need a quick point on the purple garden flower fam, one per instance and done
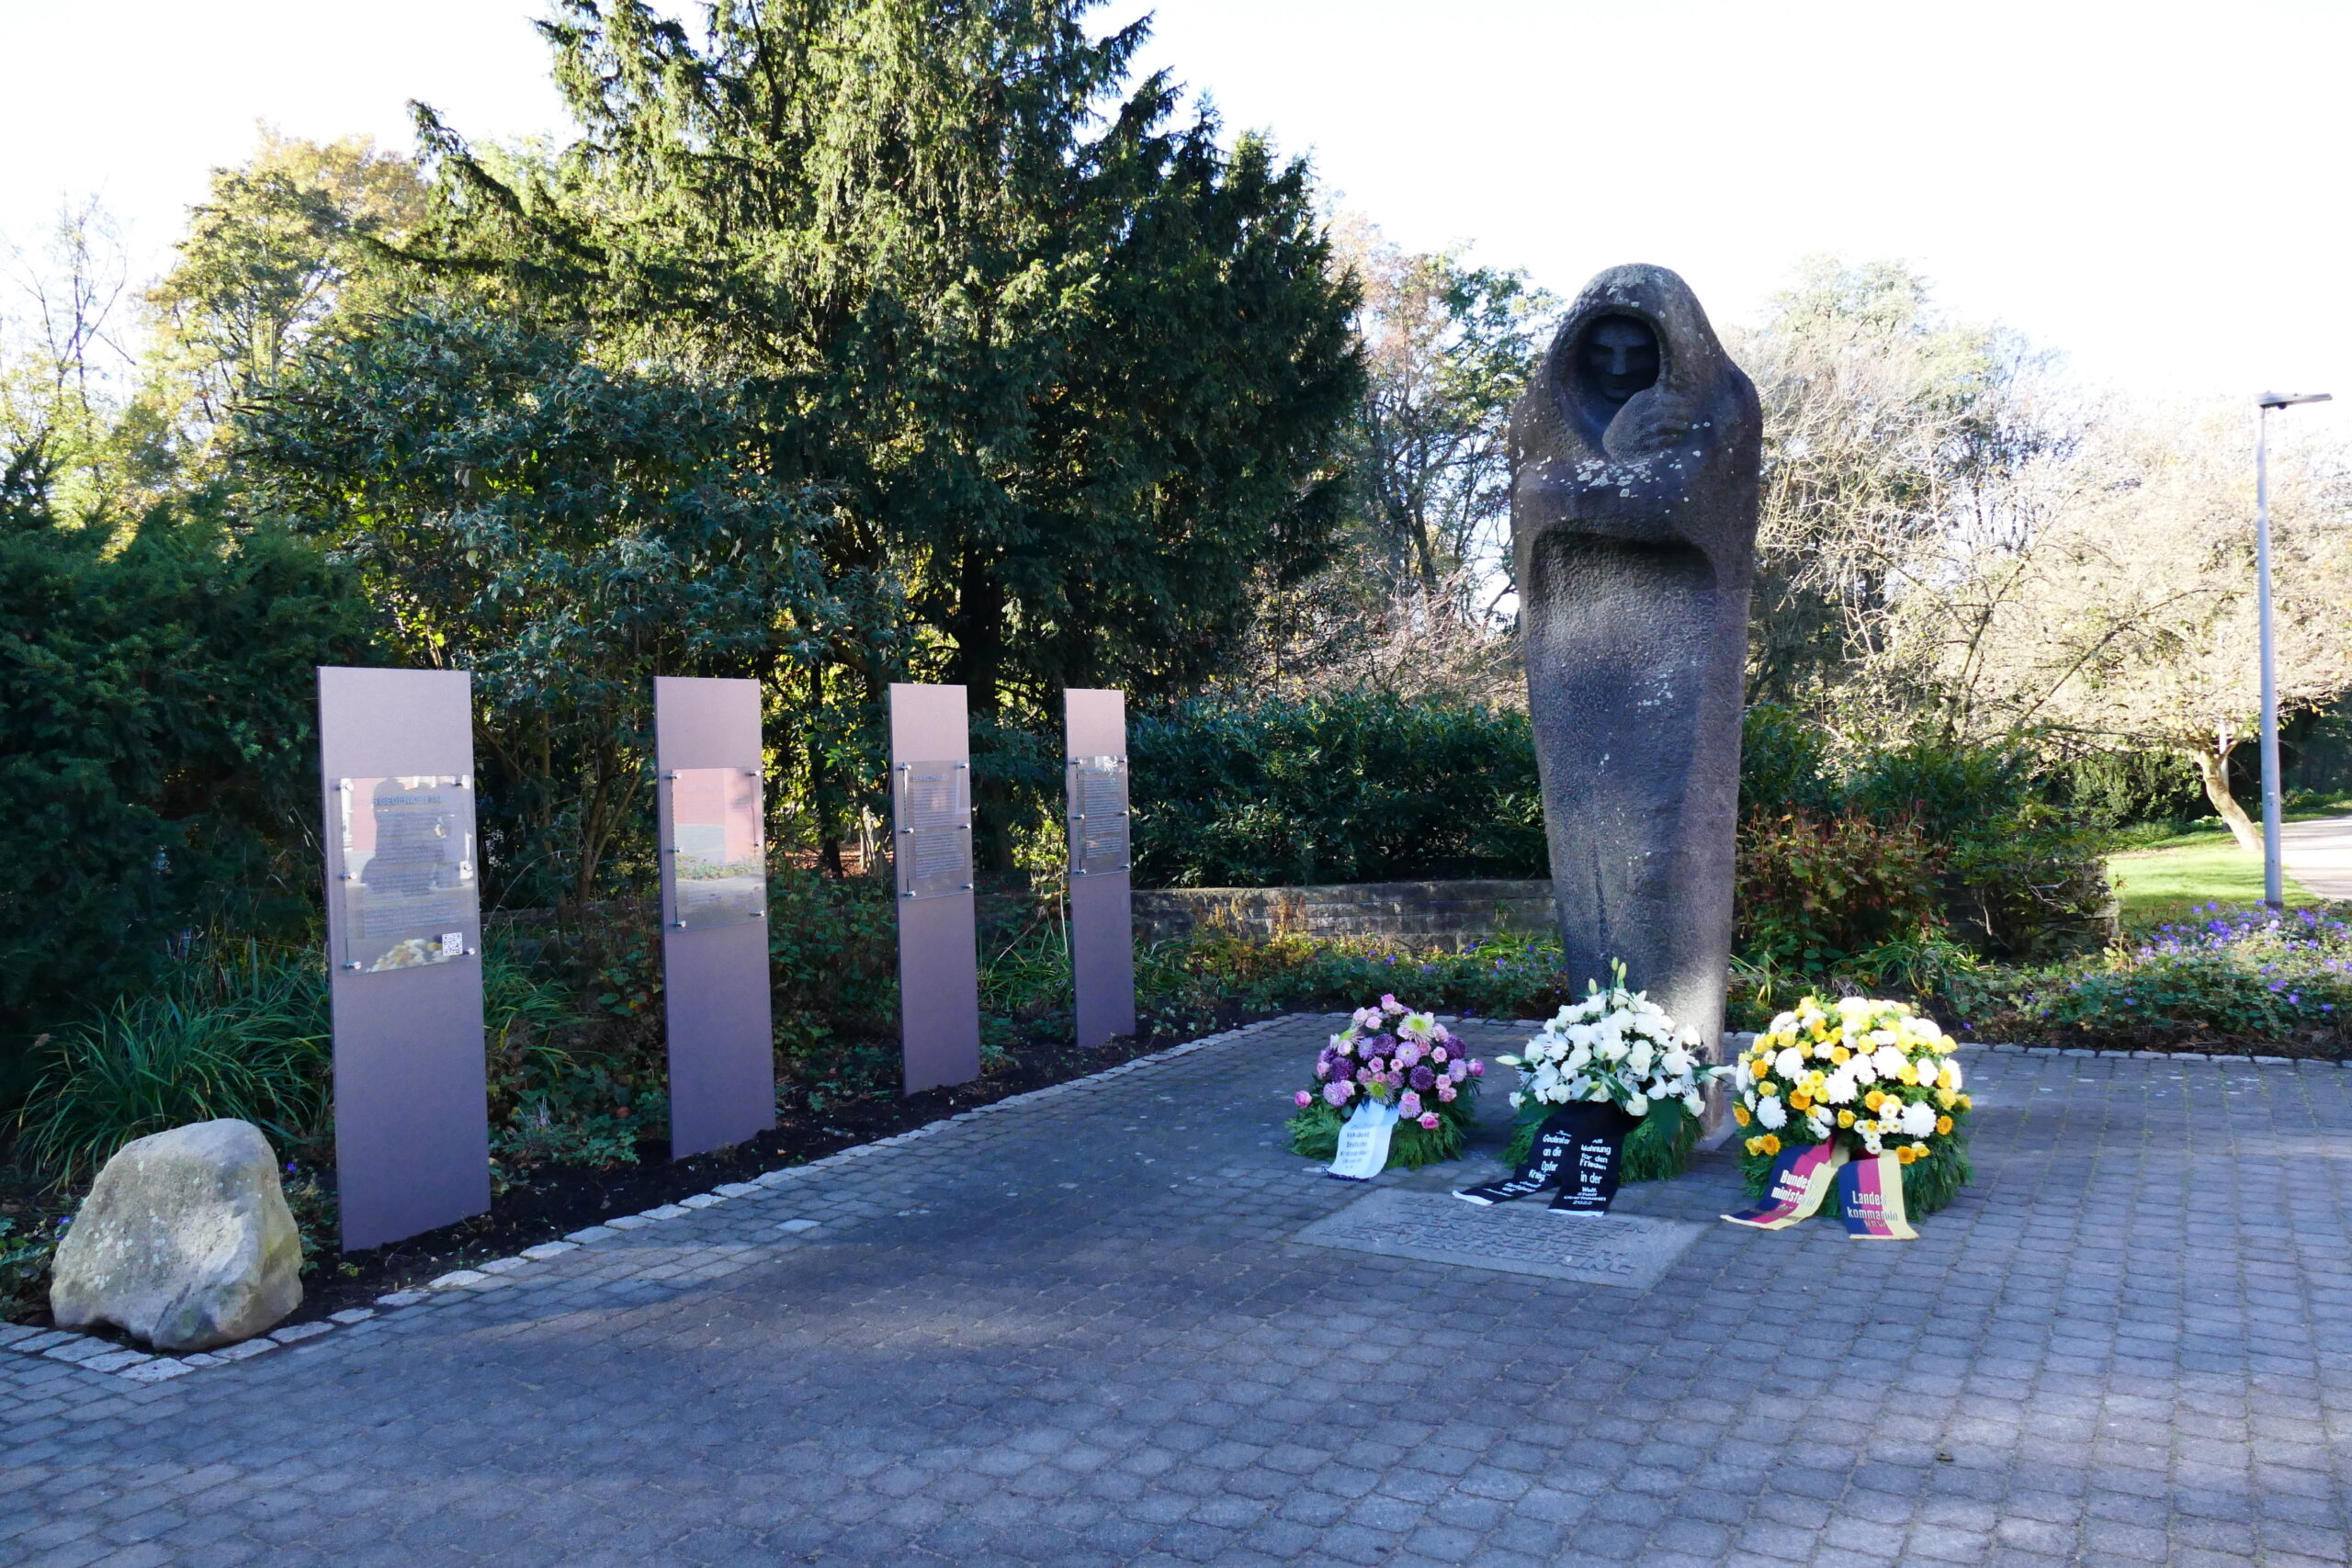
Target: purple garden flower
(1424, 1079)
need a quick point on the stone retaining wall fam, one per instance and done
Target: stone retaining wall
(1447, 914)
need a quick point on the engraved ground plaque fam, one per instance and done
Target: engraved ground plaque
(1098, 821)
(934, 828)
(407, 876)
(718, 871)
(1628, 1250)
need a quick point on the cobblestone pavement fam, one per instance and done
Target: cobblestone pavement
(1075, 1331)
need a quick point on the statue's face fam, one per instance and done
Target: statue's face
(1621, 357)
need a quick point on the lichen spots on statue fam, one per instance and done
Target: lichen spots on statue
(1636, 456)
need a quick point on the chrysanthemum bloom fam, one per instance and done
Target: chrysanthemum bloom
(1410, 1105)
(1339, 1094)
(1424, 1079)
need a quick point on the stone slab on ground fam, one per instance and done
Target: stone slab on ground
(1080, 1329)
(1524, 1237)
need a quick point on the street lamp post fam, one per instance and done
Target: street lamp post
(2274, 893)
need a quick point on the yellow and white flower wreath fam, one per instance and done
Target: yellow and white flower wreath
(1873, 1072)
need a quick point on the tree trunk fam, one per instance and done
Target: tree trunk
(2214, 767)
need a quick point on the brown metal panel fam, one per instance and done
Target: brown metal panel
(716, 995)
(939, 976)
(1102, 918)
(411, 1106)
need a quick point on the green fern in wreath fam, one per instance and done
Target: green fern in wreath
(1391, 1055)
(1616, 1047)
(1315, 1135)
(1657, 1149)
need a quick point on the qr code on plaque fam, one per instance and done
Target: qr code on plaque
(453, 944)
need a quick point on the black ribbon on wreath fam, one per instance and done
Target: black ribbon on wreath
(1581, 1149)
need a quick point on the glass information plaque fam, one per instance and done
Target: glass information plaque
(933, 849)
(1098, 816)
(410, 894)
(718, 864)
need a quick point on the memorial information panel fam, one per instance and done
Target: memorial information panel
(410, 894)
(933, 850)
(719, 867)
(1099, 817)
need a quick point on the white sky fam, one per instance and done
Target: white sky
(2158, 189)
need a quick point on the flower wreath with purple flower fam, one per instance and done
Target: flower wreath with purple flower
(1391, 1054)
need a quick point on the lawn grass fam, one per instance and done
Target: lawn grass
(2166, 879)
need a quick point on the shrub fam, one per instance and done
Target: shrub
(1209, 974)
(833, 960)
(2013, 875)
(1360, 787)
(1815, 892)
(2124, 789)
(2229, 977)
(247, 1039)
(242, 1031)
(156, 758)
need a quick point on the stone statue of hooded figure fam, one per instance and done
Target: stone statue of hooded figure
(1636, 476)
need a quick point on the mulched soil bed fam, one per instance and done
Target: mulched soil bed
(546, 1203)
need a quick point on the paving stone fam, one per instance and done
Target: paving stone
(294, 1333)
(41, 1342)
(1012, 1340)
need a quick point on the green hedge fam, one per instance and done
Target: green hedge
(1352, 788)
(156, 751)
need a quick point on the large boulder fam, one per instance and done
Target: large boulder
(184, 1242)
